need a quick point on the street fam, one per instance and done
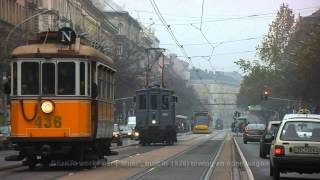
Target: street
(190, 158)
(260, 167)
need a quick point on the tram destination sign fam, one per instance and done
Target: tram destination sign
(66, 36)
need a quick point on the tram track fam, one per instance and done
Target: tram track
(131, 150)
(168, 165)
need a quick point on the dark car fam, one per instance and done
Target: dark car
(116, 135)
(253, 132)
(265, 141)
(4, 134)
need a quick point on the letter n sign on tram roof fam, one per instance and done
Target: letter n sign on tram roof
(66, 36)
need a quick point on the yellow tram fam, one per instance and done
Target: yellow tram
(201, 122)
(62, 100)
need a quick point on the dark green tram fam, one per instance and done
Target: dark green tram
(155, 115)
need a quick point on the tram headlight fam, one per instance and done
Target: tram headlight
(47, 107)
(153, 121)
(136, 134)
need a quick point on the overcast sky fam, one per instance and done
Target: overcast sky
(179, 14)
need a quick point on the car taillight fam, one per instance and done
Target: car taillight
(279, 151)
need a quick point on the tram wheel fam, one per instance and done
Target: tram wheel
(32, 162)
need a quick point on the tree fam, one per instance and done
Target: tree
(188, 98)
(274, 43)
(130, 74)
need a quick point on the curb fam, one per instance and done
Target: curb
(10, 167)
(244, 161)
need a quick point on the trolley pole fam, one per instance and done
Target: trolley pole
(162, 70)
(148, 68)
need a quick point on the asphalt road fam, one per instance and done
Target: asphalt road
(260, 167)
(192, 164)
(57, 172)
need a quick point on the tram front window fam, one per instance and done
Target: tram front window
(142, 102)
(154, 102)
(48, 78)
(66, 78)
(29, 78)
(201, 120)
(165, 102)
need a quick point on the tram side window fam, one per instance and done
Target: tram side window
(154, 102)
(29, 78)
(101, 81)
(66, 78)
(82, 78)
(142, 102)
(165, 102)
(105, 73)
(89, 78)
(14, 79)
(112, 85)
(108, 84)
(48, 78)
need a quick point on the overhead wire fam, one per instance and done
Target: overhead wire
(211, 18)
(184, 52)
(206, 43)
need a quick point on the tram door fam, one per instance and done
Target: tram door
(165, 109)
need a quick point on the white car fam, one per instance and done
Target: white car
(296, 146)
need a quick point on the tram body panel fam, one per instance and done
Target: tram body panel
(71, 118)
(105, 120)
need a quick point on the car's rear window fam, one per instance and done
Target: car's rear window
(301, 131)
(256, 126)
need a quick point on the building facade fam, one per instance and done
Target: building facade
(217, 92)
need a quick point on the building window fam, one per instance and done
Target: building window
(119, 50)
(120, 28)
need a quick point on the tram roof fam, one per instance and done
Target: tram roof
(54, 50)
(154, 88)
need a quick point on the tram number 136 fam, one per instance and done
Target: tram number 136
(47, 121)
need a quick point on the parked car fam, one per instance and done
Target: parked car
(125, 131)
(265, 141)
(4, 134)
(253, 132)
(116, 135)
(296, 146)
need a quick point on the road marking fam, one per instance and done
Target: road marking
(244, 161)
